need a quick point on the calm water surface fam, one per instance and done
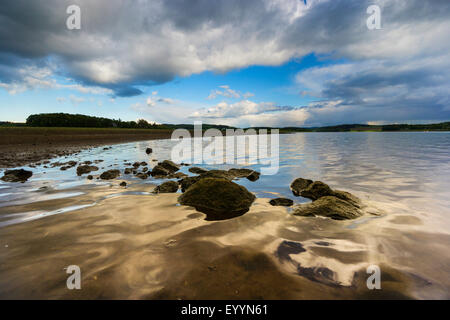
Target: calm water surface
(406, 176)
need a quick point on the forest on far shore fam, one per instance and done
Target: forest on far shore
(84, 121)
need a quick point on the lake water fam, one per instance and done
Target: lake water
(149, 245)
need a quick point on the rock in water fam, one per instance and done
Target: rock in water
(167, 187)
(148, 150)
(347, 196)
(222, 174)
(176, 175)
(170, 166)
(328, 206)
(110, 174)
(240, 173)
(159, 171)
(219, 199)
(244, 173)
(316, 190)
(187, 182)
(85, 169)
(123, 184)
(299, 185)
(281, 202)
(136, 165)
(19, 175)
(197, 170)
(142, 175)
(253, 176)
(327, 202)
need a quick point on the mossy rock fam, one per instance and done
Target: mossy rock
(219, 199)
(299, 184)
(220, 174)
(159, 171)
(169, 166)
(167, 187)
(316, 190)
(110, 174)
(329, 206)
(240, 172)
(85, 169)
(197, 170)
(347, 196)
(187, 182)
(250, 174)
(281, 202)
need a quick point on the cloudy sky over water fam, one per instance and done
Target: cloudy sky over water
(241, 63)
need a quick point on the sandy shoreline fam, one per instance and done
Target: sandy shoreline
(158, 250)
(133, 244)
(22, 146)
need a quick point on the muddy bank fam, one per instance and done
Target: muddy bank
(22, 146)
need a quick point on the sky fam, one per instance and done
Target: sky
(241, 63)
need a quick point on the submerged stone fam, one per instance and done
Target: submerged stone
(281, 202)
(219, 199)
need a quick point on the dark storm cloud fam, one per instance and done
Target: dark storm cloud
(126, 44)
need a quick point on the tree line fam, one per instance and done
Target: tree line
(83, 121)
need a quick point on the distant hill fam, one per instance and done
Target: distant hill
(83, 121)
(444, 126)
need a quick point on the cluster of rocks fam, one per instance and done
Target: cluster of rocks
(64, 165)
(335, 204)
(214, 193)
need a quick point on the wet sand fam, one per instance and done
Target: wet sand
(137, 245)
(132, 244)
(22, 146)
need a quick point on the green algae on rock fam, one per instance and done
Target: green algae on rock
(110, 174)
(219, 199)
(281, 202)
(329, 206)
(167, 187)
(336, 204)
